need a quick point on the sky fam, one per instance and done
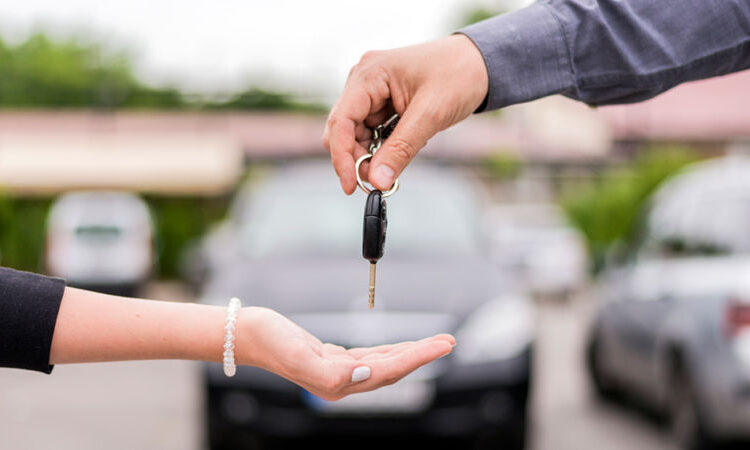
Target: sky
(303, 47)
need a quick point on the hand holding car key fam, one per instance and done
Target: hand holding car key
(375, 220)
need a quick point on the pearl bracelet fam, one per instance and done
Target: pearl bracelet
(234, 308)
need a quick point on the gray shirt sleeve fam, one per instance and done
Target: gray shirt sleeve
(610, 51)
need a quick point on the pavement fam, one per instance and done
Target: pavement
(566, 414)
(157, 404)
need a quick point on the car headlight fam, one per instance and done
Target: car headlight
(499, 329)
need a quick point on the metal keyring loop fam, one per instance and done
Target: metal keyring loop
(361, 183)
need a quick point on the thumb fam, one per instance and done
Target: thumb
(411, 134)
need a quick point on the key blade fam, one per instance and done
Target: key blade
(372, 286)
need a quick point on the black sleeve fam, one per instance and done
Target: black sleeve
(29, 304)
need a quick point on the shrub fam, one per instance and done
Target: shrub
(177, 221)
(607, 208)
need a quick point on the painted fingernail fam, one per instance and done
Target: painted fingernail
(383, 176)
(361, 373)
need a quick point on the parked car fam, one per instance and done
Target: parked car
(100, 240)
(673, 329)
(536, 242)
(296, 248)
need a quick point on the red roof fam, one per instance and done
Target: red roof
(550, 129)
(716, 109)
(256, 133)
(277, 134)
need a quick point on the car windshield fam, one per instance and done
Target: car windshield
(709, 224)
(97, 232)
(311, 216)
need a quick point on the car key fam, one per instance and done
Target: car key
(375, 222)
(373, 235)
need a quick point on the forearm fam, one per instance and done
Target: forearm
(42, 323)
(610, 51)
(93, 327)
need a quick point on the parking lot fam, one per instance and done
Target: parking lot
(157, 405)
(566, 413)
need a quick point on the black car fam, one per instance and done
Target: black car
(293, 243)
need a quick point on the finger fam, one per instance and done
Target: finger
(364, 168)
(410, 135)
(342, 143)
(327, 378)
(360, 352)
(391, 349)
(379, 117)
(364, 143)
(362, 132)
(400, 348)
(389, 370)
(331, 373)
(449, 338)
(333, 349)
(333, 379)
(341, 131)
(389, 354)
(365, 92)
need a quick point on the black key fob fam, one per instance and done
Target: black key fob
(373, 228)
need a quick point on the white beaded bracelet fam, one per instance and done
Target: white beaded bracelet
(234, 308)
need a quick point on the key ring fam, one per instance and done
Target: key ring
(379, 134)
(361, 183)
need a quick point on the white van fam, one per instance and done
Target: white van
(100, 240)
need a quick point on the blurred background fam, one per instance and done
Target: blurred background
(593, 263)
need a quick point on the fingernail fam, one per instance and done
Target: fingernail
(383, 176)
(361, 373)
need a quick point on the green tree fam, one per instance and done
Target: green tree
(40, 72)
(475, 15)
(608, 208)
(44, 73)
(22, 224)
(255, 98)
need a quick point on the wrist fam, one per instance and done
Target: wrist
(246, 350)
(473, 65)
(526, 55)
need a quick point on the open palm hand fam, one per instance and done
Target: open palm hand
(329, 371)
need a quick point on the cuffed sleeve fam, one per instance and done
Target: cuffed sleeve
(610, 51)
(29, 304)
(525, 55)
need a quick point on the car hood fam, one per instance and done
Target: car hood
(417, 297)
